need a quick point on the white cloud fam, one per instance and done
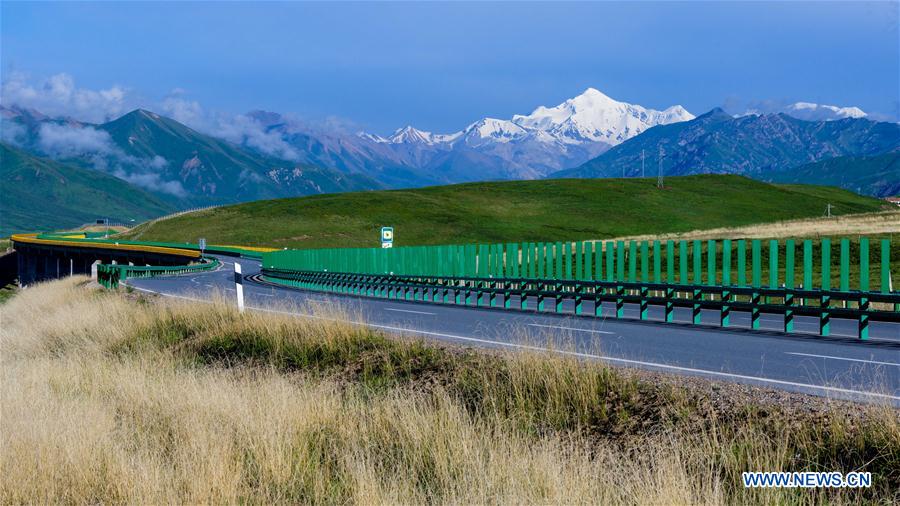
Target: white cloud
(61, 141)
(184, 111)
(242, 129)
(12, 133)
(151, 181)
(59, 96)
(236, 128)
(96, 146)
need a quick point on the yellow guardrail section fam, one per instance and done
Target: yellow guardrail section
(32, 239)
(260, 249)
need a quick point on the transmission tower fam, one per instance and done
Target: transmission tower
(642, 163)
(659, 173)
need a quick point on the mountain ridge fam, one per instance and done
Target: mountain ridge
(758, 146)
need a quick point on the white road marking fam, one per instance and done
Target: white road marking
(408, 311)
(570, 328)
(843, 358)
(562, 352)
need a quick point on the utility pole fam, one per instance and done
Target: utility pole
(828, 210)
(659, 173)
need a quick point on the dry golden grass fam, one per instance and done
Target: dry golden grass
(113, 400)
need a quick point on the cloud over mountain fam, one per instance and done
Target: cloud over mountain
(59, 96)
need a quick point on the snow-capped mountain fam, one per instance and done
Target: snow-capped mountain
(595, 117)
(588, 118)
(533, 145)
(809, 111)
(410, 135)
(816, 112)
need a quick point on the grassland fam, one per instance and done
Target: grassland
(111, 398)
(547, 210)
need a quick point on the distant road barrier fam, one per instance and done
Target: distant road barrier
(722, 275)
(110, 275)
(97, 238)
(54, 255)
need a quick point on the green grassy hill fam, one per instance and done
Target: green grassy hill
(544, 210)
(42, 194)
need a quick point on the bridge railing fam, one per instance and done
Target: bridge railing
(110, 275)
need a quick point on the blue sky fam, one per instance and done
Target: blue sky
(440, 66)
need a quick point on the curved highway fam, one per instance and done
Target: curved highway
(839, 366)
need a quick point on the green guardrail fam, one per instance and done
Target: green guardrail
(804, 264)
(110, 275)
(98, 238)
(790, 277)
(500, 293)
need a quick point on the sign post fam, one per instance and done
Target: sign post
(202, 244)
(387, 237)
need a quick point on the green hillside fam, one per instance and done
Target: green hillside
(544, 210)
(874, 175)
(42, 194)
(215, 171)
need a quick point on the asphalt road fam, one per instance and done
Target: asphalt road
(839, 366)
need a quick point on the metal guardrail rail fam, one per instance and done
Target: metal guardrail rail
(194, 249)
(499, 293)
(62, 240)
(110, 275)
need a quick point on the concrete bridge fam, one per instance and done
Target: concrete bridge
(39, 259)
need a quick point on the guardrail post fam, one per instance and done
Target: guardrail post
(788, 312)
(696, 313)
(598, 301)
(559, 298)
(789, 285)
(864, 287)
(540, 297)
(670, 305)
(725, 312)
(578, 289)
(620, 301)
(863, 317)
(824, 315)
(645, 304)
(754, 310)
